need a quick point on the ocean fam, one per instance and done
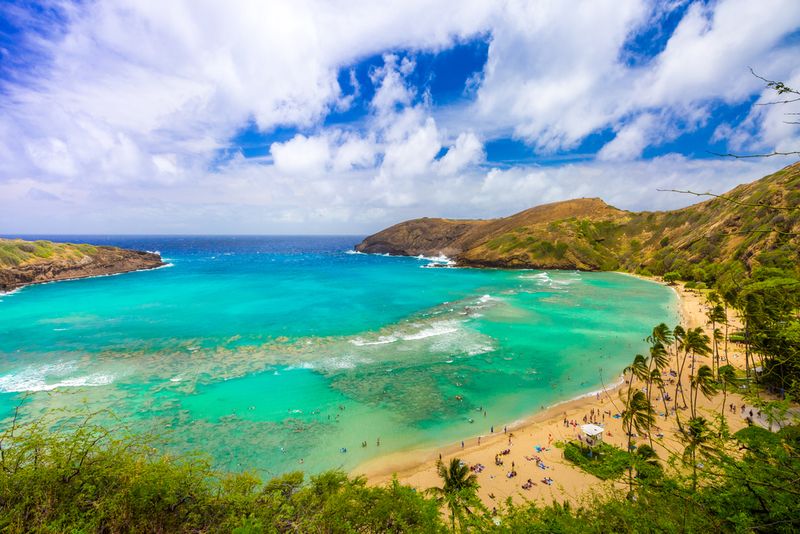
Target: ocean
(292, 352)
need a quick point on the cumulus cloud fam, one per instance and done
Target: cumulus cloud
(630, 140)
(301, 155)
(130, 104)
(467, 151)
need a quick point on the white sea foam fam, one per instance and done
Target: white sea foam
(340, 362)
(434, 265)
(538, 277)
(49, 377)
(382, 340)
(436, 261)
(9, 293)
(436, 329)
(479, 349)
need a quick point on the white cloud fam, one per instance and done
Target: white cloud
(301, 155)
(630, 140)
(467, 151)
(125, 122)
(555, 72)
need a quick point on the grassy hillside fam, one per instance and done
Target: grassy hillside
(16, 252)
(754, 224)
(31, 262)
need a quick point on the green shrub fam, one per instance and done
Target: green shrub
(607, 462)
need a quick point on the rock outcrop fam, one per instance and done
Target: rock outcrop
(23, 263)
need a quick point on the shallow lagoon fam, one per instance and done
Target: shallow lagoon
(262, 351)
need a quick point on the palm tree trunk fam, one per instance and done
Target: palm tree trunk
(724, 401)
(714, 360)
(649, 391)
(630, 458)
(664, 398)
(746, 349)
(630, 430)
(679, 388)
(726, 333)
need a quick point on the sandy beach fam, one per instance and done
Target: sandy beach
(531, 443)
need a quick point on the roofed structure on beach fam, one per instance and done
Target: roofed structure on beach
(593, 431)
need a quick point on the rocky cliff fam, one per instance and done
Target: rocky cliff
(755, 223)
(31, 262)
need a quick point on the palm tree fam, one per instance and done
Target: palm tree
(695, 343)
(678, 338)
(638, 369)
(459, 489)
(662, 334)
(716, 315)
(727, 377)
(646, 461)
(638, 415)
(697, 435)
(703, 382)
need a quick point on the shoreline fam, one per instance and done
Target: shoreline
(20, 287)
(538, 431)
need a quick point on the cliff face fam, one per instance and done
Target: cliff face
(754, 223)
(23, 263)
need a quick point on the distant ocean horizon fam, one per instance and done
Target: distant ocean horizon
(289, 352)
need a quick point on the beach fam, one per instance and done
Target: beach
(531, 443)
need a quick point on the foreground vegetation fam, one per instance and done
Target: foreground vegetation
(85, 480)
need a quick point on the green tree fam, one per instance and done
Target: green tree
(726, 375)
(716, 316)
(638, 415)
(702, 382)
(459, 491)
(696, 435)
(694, 343)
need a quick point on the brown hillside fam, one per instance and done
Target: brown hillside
(746, 227)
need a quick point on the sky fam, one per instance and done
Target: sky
(344, 117)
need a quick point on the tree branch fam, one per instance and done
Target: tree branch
(732, 201)
(769, 155)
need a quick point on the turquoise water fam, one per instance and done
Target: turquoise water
(265, 351)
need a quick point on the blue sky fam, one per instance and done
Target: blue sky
(345, 117)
